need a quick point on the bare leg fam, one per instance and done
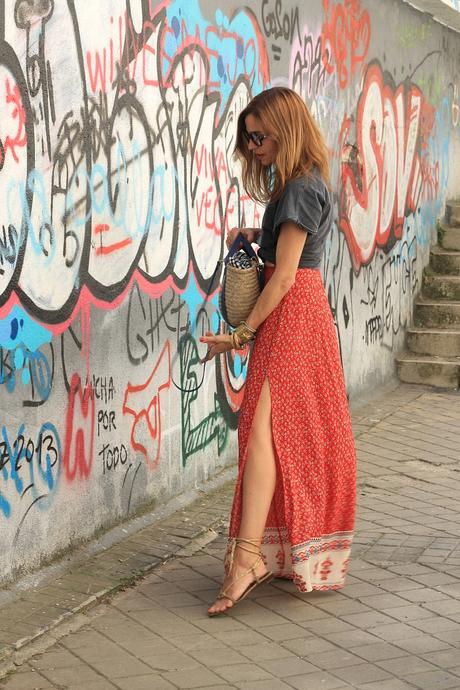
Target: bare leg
(258, 488)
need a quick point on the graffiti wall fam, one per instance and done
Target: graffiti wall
(117, 187)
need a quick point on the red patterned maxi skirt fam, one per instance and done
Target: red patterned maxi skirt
(309, 527)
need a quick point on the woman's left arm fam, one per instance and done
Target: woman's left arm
(291, 242)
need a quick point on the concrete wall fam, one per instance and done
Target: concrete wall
(117, 184)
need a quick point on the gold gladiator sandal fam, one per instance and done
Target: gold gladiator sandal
(229, 559)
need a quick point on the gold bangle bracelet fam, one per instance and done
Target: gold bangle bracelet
(251, 330)
(243, 333)
(237, 345)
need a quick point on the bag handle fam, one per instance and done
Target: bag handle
(239, 240)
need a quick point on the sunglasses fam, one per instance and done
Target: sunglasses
(256, 138)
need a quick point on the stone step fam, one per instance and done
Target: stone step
(450, 239)
(436, 314)
(445, 262)
(433, 341)
(441, 287)
(443, 372)
(453, 213)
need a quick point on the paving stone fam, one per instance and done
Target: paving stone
(368, 620)
(287, 631)
(395, 631)
(161, 662)
(198, 584)
(434, 579)
(120, 667)
(452, 637)
(435, 625)
(241, 638)
(271, 650)
(390, 684)
(201, 640)
(136, 603)
(261, 620)
(271, 684)
(338, 658)
(150, 682)
(422, 644)
(25, 681)
(353, 638)
(434, 680)
(452, 589)
(139, 648)
(85, 638)
(106, 650)
(194, 678)
(168, 623)
(308, 647)
(312, 681)
(383, 601)
(306, 615)
(406, 666)
(218, 657)
(219, 687)
(67, 676)
(363, 589)
(56, 658)
(328, 625)
(380, 651)
(449, 658)
(244, 672)
(423, 594)
(97, 685)
(444, 608)
(363, 673)
(343, 608)
(409, 613)
(283, 668)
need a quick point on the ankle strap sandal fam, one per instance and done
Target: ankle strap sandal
(229, 560)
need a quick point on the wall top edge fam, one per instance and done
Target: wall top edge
(445, 12)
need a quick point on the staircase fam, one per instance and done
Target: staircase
(434, 340)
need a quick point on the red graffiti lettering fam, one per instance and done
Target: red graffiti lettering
(79, 438)
(346, 35)
(99, 72)
(208, 206)
(221, 165)
(252, 221)
(104, 249)
(143, 403)
(383, 184)
(205, 155)
(17, 116)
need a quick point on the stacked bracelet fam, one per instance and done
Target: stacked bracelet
(241, 335)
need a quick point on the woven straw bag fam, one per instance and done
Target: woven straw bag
(240, 286)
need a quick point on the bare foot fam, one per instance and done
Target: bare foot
(234, 584)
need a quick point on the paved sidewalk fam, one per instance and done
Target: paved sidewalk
(395, 625)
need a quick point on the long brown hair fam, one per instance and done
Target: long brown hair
(300, 144)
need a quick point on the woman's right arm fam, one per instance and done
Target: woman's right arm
(289, 248)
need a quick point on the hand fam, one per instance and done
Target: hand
(216, 344)
(249, 233)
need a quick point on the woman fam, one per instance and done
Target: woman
(295, 493)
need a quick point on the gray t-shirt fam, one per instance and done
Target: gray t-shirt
(306, 202)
